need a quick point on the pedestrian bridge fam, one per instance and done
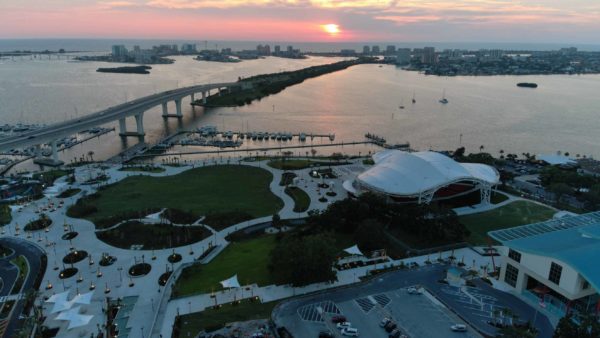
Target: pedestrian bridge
(136, 108)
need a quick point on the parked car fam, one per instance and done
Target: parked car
(343, 325)
(384, 321)
(458, 328)
(414, 291)
(389, 327)
(338, 319)
(350, 331)
(395, 334)
(325, 334)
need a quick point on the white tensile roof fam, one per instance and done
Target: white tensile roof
(231, 282)
(408, 174)
(354, 250)
(555, 159)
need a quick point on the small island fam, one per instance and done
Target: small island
(527, 85)
(126, 70)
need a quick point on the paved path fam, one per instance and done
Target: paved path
(115, 277)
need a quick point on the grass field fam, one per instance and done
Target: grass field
(191, 324)
(513, 214)
(289, 164)
(144, 168)
(300, 197)
(152, 236)
(5, 216)
(200, 191)
(248, 259)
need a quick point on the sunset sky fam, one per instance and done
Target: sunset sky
(576, 21)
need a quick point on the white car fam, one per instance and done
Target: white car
(343, 325)
(384, 322)
(350, 331)
(414, 291)
(458, 328)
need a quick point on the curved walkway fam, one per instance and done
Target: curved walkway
(115, 277)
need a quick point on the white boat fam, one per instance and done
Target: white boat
(443, 100)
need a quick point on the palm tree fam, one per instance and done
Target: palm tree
(481, 147)
(91, 155)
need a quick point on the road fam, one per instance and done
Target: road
(34, 255)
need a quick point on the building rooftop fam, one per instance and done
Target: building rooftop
(574, 240)
(408, 174)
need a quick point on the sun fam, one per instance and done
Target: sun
(331, 28)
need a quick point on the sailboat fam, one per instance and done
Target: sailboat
(443, 100)
(414, 100)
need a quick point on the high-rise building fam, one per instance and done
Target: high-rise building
(277, 49)
(119, 51)
(390, 50)
(188, 48)
(375, 50)
(403, 56)
(366, 50)
(290, 49)
(429, 56)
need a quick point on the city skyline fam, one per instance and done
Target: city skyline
(542, 21)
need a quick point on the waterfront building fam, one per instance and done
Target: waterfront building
(348, 52)
(188, 48)
(366, 50)
(429, 56)
(375, 50)
(423, 177)
(554, 263)
(263, 50)
(403, 56)
(290, 49)
(119, 51)
(390, 50)
(277, 49)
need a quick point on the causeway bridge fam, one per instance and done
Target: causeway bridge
(136, 108)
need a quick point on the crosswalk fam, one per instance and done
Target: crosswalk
(4, 299)
(314, 312)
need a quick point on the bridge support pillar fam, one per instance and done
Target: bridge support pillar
(122, 127)
(178, 105)
(192, 97)
(203, 97)
(139, 121)
(52, 161)
(165, 110)
(54, 151)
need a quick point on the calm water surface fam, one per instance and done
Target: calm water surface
(562, 114)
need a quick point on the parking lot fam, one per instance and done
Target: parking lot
(416, 315)
(364, 305)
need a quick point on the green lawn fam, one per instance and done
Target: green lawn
(144, 168)
(248, 259)
(300, 197)
(152, 236)
(51, 175)
(200, 191)
(69, 193)
(511, 215)
(289, 164)
(5, 216)
(211, 319)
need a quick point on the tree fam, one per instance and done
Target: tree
(302, 260)
(91, 155)
(276, 221)
(559, 190)
(566, 328)
(527, 331)
(589, 327)
(459, 152)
